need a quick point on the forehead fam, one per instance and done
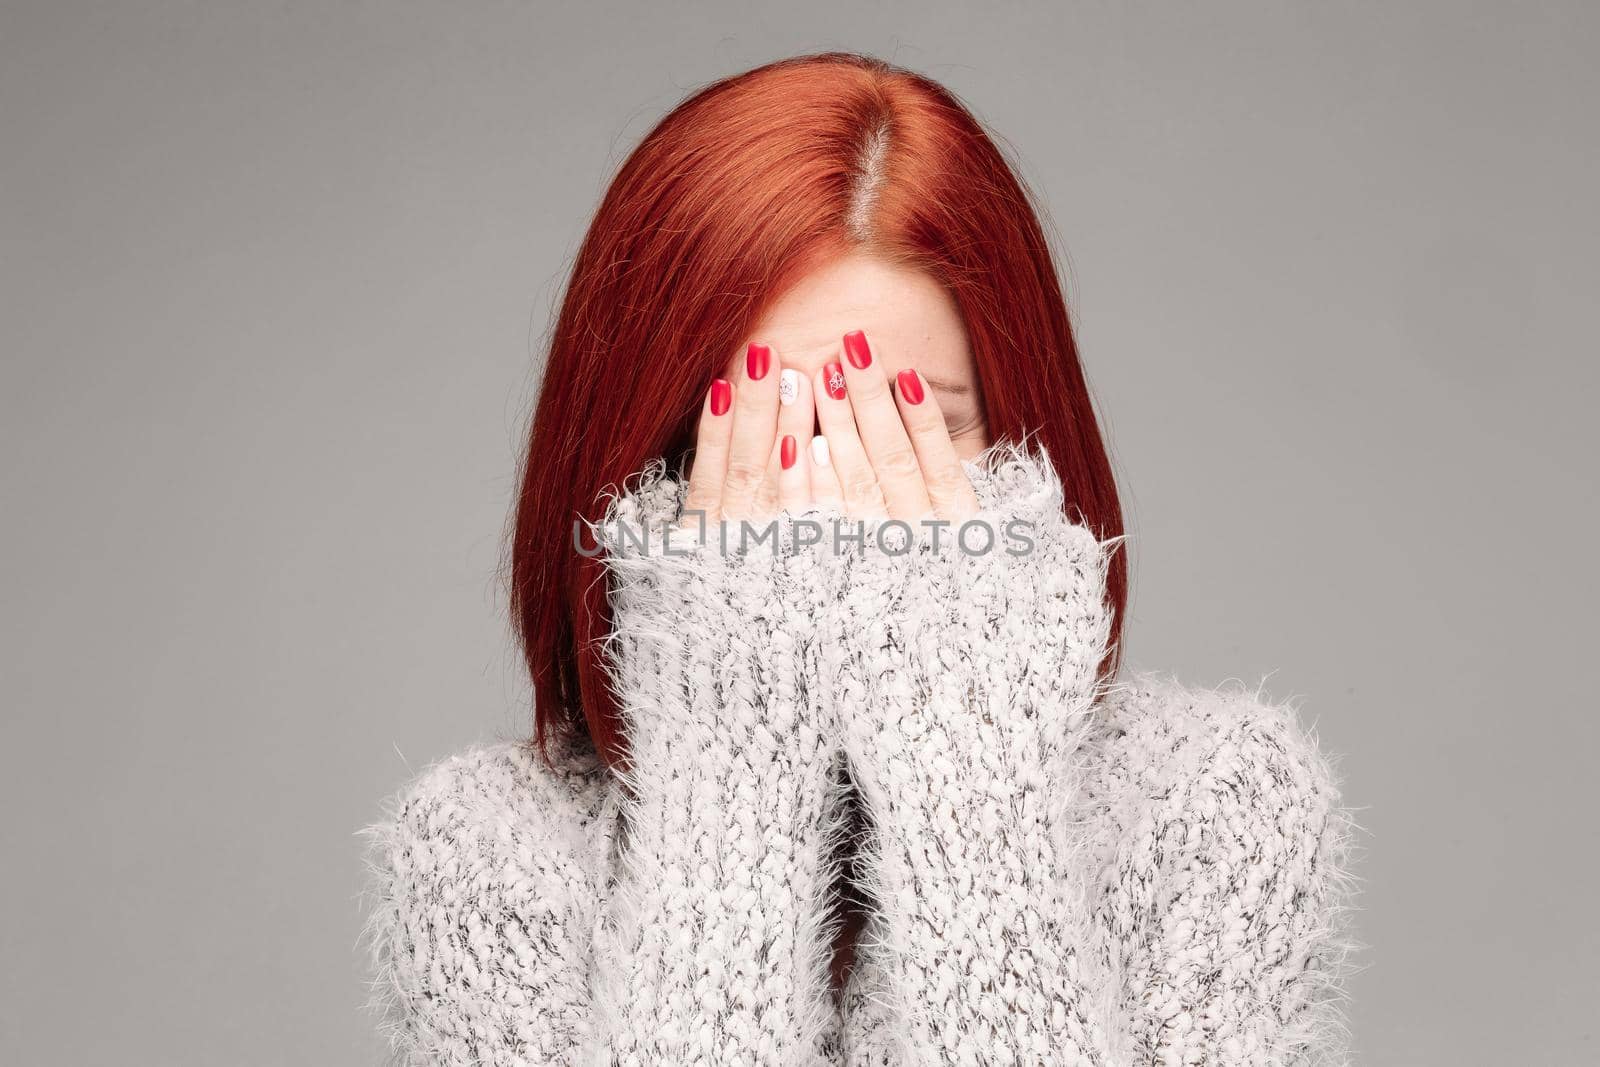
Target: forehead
(909, 318)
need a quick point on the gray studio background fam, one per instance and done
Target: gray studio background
(272, 281)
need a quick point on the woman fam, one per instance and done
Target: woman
(832, 759)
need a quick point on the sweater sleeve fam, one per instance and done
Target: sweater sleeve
(963, 673)
(712, 945)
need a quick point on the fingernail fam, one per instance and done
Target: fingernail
(789, 452)
(910, 386)
(788, 387)
(833, 378)
(757, 358)
(855, 346)
(819, 450)
(721, 396)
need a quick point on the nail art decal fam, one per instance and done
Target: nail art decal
(833, 378)
(789, 387)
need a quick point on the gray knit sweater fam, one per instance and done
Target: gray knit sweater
(1059, 871)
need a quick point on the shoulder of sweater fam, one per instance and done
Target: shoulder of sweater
(491, 815)
(501, 786)
(1189, 730)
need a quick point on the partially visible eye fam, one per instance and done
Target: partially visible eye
(963, 421)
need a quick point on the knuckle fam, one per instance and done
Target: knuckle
(743, 475)
(945, 482)
(899, 462)
(860, 486)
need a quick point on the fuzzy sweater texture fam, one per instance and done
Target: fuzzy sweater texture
(1059, 871)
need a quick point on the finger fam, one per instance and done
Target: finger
(858, 483)
(949, 488)
(797, 417)
(755, 422)
(710, 466)
(824, 482)
(882, 433)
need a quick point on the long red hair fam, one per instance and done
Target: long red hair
(742, 190)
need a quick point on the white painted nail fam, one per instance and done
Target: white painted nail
(789, 387)
(819, 450)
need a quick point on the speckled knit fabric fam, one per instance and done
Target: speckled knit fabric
(1059, 872)
(714, 946)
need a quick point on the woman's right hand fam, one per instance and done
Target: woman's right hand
(753, 447)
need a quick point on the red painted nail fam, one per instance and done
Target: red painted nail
(833, 379)
(910, 386)
(855, 346)
(757, 359)
(789, 452)
(721, 396)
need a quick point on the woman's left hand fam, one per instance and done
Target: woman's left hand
(961, 683)
(889, 451)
